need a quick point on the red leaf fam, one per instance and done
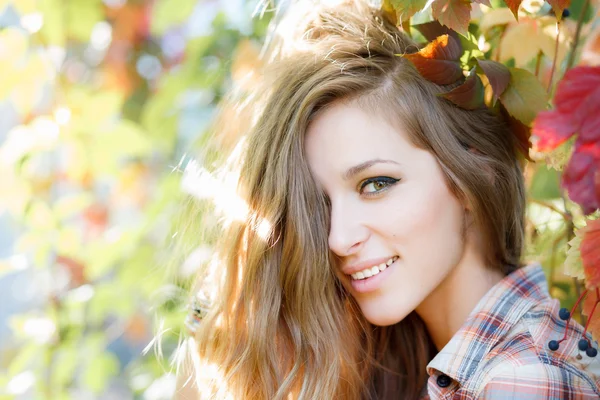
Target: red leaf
(438, 61)
(498, 75)
(514, 6)
(433, 29)
(578, 96)
(75, 268)
(444, 47)
(469, 95)
(590, 126)
(521, 132)
(455, 14)
(558, 6)
(590, 254)
(552, 128)
(594, 322)
(580, 177)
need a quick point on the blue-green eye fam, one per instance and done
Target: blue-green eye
(379, 183)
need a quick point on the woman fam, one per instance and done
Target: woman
(381, 255)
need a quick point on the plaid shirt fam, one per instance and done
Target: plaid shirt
(501, 351)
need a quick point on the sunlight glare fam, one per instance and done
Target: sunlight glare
(32, 22)
(62, 115)
(21, 383)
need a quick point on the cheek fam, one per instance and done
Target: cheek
(427, 219)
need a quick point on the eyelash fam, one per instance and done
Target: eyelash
(389, 182)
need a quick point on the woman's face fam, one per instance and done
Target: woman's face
(389, 206)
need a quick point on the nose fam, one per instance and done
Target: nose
(347, 232)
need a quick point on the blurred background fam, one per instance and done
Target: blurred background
(103, 104)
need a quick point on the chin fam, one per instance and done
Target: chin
(379, 317)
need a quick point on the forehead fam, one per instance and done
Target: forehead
(345, 134)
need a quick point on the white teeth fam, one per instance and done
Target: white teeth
(372, 271)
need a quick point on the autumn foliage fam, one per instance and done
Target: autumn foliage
(104, 100)
(518, 59)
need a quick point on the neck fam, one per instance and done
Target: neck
(445, 310)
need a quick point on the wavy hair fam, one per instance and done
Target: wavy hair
(281, 325)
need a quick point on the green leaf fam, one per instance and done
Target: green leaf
(404, 9)
(111, 147)
(64, 365)
(525, 96)
(81, 17)
(53, 30)
(159, 117)
(166, 14)
(92, 109)
(545, 184)
(471, 51)
(576, 8)
(99, 370)
(27, 356)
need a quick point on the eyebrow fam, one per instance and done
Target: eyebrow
(364, 165)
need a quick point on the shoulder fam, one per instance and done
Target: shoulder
(522, 366)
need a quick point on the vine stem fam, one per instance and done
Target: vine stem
(584, 9)
(538, 61)
(555, 244)
(555, 57)
(570, 231)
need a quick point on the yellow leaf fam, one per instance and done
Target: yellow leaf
(53, 30)
(16, 192)
(69, 241)
(590, 53)
(13, 45)
(573, 265)
(81, 17)
(548, 45)
(541, 36)
(497, 16)
(24, 6)
(33, 76)
(514, 46)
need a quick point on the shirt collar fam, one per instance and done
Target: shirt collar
(491, 319)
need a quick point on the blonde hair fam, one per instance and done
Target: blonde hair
(280, 322)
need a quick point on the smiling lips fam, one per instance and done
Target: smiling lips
(374, 270)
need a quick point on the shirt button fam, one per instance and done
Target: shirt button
(443, 381)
